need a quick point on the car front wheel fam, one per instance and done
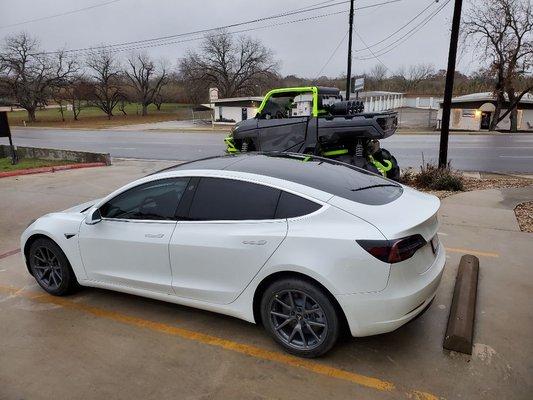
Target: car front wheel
(300, 317)
(50, 267)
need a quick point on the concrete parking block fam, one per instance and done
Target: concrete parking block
(460, 331)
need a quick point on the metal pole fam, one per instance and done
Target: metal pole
(349, 69)
(448, 89)
(14, 156)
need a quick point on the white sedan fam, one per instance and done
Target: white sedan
(304, 245)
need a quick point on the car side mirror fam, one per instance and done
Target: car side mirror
(94, 217)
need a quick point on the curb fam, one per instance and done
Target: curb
(41, 170)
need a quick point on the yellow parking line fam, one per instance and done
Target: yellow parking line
(473, 252)
(252, 351)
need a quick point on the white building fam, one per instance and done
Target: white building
(232, 110)
(422, 101)
(474, 112)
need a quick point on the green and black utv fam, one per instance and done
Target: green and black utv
(316, 120)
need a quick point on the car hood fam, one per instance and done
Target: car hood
(413, 212)
(81, 207)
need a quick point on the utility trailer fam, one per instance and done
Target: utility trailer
(315, 120)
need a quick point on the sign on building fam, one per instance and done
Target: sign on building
(358, 84)
(213, 94)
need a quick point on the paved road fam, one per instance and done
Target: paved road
(499, 153)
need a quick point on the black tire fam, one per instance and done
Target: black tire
(50, 268)
(313, 317)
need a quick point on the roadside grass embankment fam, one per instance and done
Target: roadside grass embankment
(94, 118)
(27, 163)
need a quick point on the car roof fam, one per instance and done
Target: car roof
(262, 163)
(316, 173)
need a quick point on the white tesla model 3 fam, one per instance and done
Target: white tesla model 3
(304, 245)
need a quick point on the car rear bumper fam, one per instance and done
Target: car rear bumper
(375, 313)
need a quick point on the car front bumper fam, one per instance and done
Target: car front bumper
(402, 300)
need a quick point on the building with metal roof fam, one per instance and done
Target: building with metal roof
(474, 112)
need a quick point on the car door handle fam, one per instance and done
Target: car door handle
(154, 235)
(255, 242)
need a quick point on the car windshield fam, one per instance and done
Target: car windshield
(279, 105)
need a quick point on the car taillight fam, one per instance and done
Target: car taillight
(393, 251)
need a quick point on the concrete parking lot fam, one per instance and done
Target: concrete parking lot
(100, 344)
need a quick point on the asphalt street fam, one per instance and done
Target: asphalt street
(492, 153)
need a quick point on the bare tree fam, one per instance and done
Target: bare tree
(105, 72)
(80, 92)
(410, 78)
(501, 31)
(60, 98)
(162, 95)
(378, 73)
(237, 66)
(146, 78)
(31, 74)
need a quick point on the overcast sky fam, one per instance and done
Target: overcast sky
(303, 47)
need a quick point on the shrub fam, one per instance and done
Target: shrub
(407, 177)
(434, 178)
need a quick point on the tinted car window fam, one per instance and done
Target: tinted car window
(228, 199)
(290, 206)
(339, 179)
(156, 200)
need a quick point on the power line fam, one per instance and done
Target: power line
(370, 50)
(407, 35)
(318, 6)
(368, 47)
(332, 55)
(60, 14)
(313, 5)
(203, 31)
(129, 48)
(432, 2)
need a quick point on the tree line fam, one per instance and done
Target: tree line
(31, 78)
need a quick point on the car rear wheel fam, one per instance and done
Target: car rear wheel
(300, 317)
(50, 267)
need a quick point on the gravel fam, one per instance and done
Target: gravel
(523, 212)
(492, 181)
(524, 215)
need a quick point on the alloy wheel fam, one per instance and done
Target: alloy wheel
(298, 320)
(47, 267)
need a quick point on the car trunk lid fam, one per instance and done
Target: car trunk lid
(411, 213)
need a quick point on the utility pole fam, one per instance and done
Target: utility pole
(448, 89)
(349, 69)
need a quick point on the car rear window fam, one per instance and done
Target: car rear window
(339, 179)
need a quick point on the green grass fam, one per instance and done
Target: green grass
(53, 114)
(94, 118)
(25, 163)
